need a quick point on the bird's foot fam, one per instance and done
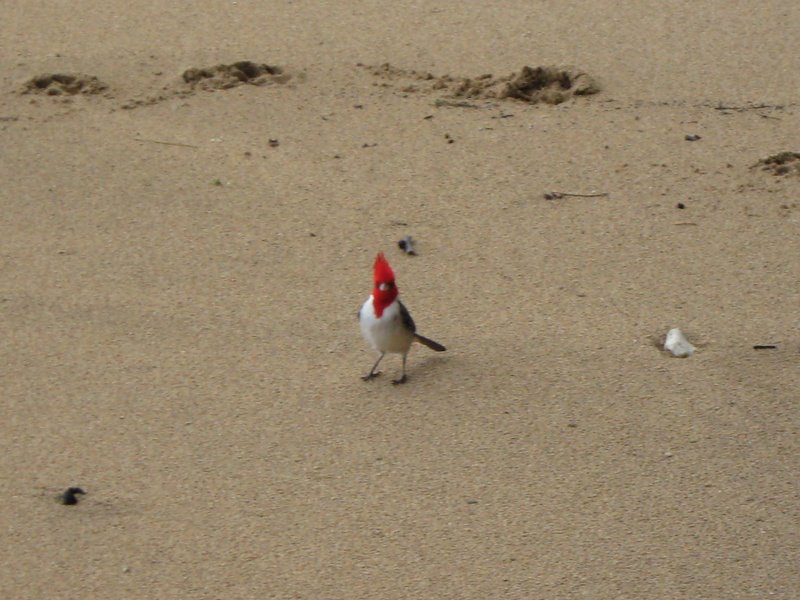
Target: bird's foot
(370, 376)
(403, 379)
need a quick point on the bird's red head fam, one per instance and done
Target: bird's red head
(385, 291)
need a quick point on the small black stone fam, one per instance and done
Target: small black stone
(680, 205)
(68, 497)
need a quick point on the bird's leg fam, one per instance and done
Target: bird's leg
(403, 377)
(372, 374)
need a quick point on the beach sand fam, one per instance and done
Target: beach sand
(181, 264)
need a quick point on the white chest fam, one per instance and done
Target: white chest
(387, 333)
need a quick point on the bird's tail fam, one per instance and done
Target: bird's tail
(429, 343)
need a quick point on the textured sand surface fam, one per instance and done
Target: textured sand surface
(182, 258)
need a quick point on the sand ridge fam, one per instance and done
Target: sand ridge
(217, 77)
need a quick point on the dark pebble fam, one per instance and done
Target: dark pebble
(68, 497)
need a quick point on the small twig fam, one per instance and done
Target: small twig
(685, 223)
(764, 347)
(749, 107)
(165, 143)
(557, 195)
(439, 102)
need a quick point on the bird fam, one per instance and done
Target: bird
(386, 323)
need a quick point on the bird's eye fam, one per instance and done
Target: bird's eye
(386, 286)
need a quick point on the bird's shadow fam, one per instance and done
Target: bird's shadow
(425, 365)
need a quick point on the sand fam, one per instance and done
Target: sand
(182, 258)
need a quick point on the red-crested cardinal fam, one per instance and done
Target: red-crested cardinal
(386, 324)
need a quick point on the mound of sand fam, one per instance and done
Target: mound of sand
(551, 85)
(548, 84)
(57, 84)
(783, 163)
(223, 77)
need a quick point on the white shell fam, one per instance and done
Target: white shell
(678, 344)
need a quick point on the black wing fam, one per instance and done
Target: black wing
(408, 322)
